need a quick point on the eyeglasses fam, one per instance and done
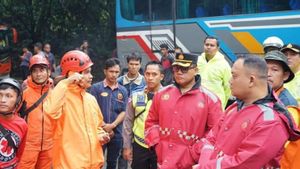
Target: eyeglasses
(176, 68)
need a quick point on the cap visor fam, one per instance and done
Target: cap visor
(293, 49)
(181, 64)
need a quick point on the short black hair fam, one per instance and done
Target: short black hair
(164, 46)
(212, 37)
(161, 69)
(111, 62)
(256, 64)
(38, 45)
(7, 86)
(134, 56)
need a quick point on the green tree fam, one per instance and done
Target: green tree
(64, 24)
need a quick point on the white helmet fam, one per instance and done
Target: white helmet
(273, 41)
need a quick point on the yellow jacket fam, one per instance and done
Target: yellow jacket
(78, 121)
(294, 87)
(215, 75)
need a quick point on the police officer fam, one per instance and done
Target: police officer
(180, 115)
(134, 123)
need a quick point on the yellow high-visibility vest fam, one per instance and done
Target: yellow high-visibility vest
(141, 105)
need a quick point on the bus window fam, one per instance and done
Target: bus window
(135, 10)
(161, 9)
(138, 10)
(206, 8)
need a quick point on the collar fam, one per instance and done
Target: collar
(267, 99)
(138, 80)
(279, 90)
(113, 87)
(75, 88)
(45, 87)
(146, 89)
(196, 85)
(217, 56)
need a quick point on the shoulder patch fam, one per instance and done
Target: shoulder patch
(268, 113)
(141, 100)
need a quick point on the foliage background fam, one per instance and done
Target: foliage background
(64, 24)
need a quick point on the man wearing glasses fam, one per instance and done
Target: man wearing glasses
(180, 115)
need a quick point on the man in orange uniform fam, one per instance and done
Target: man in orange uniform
(78, 135)
(39, 137)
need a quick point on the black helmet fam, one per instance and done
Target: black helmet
(12, 82)
(279, 56)
(15, 84)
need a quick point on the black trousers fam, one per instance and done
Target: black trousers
(143, 157)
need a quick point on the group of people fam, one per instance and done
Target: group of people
(174, 116)
(40, 49)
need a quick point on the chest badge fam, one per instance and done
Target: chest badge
(104, 94)
(245, 124)
(201, 104)
(165, 96)
(120, 96)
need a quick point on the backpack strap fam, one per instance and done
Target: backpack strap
(35, 105)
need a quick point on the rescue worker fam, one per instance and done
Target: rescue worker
(180, 115)
(39, 140)
(214, 69)
(253, 130)
(272, 43)
(291, 156)
(278, 74)
(137, 110)
(78, 136)
(292, 52)
(112, 99)
(13, 129)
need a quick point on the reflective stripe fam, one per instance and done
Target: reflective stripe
(139, 139)
(268, 112)
(219, 161)
(211, 95)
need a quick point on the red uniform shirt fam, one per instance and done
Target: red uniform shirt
(247, 137)
(17, 128)
(176, 121)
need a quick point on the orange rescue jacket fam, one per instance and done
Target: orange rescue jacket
(78, 122)
(40, 132)
(291, 156)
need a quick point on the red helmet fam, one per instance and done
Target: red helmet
(38, 60)
(75, 61)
